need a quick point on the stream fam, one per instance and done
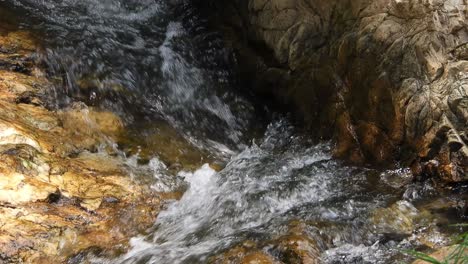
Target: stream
(155, 62)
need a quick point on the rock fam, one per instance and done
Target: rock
(400, 219)
(298, 249)
(294, 247)
(161, 140)
(397, 179)
(91, 124)
(386, 79)
(432, 237)
(257, 258)
(57, 199)
(11, 135)
(442, 254)
(297, 246)
(19, 42)
(19, 177)
(55, 216)
(246, 252)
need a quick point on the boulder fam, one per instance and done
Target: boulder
(57, 199)
(386, 79)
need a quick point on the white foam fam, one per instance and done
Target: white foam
(257, 186)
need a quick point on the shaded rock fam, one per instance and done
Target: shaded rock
(297, 246)
(386, 79)
(246, 253)
(298, 249)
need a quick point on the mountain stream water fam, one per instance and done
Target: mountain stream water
(156, 62)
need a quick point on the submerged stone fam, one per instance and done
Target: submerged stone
(161, 140)
(401, 218)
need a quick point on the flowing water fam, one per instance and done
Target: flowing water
(144, 59)
(155, 61)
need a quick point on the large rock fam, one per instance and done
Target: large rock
(57, 199)
(388, 79)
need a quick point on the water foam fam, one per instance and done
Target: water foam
(260, 189)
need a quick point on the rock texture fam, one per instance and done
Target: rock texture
(56, 197)
(297, 246)
(65, 189)
(388, 79)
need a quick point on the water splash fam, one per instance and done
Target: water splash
(146, 60)
(261, 189)
(143, 60)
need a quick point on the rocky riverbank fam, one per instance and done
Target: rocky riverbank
(386, 79)
(63, 189)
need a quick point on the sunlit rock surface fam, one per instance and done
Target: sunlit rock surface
(444, 253)
(386, 78)
(57, 198)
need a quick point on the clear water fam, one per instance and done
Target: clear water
(154, 60)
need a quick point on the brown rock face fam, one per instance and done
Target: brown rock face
(64, 191)
(387, 79)
(56, 198)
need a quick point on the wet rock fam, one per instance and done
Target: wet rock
(161, 140)
(298, 249)
(398, 178)
(92, 124)
(19, 182)
(431, 237)
(257, 258)
(400, 219)
(246, 252)
(297, 246)
(386, 79)
(18, 42)
(58, 215)
(56, 198)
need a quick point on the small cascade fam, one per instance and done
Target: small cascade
(185, 126)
